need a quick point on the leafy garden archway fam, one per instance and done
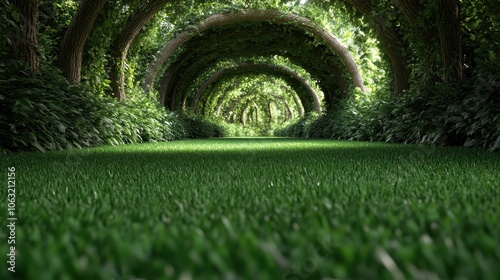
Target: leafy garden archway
(243, 43)
(299, 84)
(217, 20)
(396, 46)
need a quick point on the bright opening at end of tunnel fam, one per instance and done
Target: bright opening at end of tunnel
(302, 2)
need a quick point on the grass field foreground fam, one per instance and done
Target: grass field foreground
(260, 208)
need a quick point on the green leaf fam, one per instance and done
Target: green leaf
(38, 146)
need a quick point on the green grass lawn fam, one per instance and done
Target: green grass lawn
(259, 208)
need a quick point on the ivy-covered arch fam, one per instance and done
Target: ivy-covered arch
(333, 43)
(261, 40)
(293, 79)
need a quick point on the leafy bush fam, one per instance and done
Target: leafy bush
(46, 113)
(237, 130)
(137, 119)
(197, 127)
(465, 114)
(299, 128)
(177, 128)
(43, 112)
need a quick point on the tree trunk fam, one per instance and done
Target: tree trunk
(256, 114)
(122, 43)
(391, 44)
(413, 12)
(167, 76)
(270, 110)
(243, 116)
(450, 39)
(24, 44)
(289, 115)
(423, 29)
(232, 114)
(71, 55)
(220, 102)
(300, 109)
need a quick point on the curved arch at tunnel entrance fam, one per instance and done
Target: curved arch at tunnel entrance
(178, 75)
(278, 70)
(213, 47)
(219, 20)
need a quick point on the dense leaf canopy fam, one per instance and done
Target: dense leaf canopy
(350, 49)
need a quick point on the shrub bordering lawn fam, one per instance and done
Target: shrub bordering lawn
(45, 113)
(464, 115)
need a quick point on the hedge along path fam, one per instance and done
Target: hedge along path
(276, 69)
(210, 49)
(218, 20)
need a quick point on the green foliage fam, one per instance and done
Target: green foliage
(237, 130)
(46, 113)
(43, 112)
(198, 127)
(299, 128)
(459, 114)
(481, 28)
(255, 209)
(465, 114)
(9, 23)
(55, 17)
(137, 119)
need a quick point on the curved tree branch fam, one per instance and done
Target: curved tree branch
(71, 55)
(391, 43)
(120, 47)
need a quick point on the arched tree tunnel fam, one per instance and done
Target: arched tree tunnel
(81, 26)
(250, 139)
(297, 92)
(333, 44)
(224, 36)
(258, 40)
(216, 101)
(178, 50)
(254, 103)
(308, 97)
